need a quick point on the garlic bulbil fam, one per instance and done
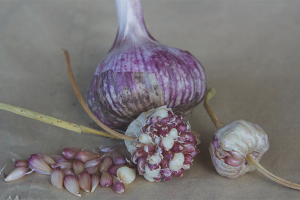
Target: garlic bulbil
(169, 147)
(139, 73)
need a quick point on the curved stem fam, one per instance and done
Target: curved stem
(53, 121)
(85, 107)
(271, 176)
(209, 94)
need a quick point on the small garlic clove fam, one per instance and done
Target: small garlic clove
(78, 167)
(106, 164)
(177, 147)
(188, 159)
(157, 140)
(85, 181)
(70, 152)
(166, 172)
(58, 158)
(177, 162)
(39, 165)
(17, 173)
(148, 178)
(92, 170)
(149, 147)
(233, 162)
(47, 158)
(137, 154)
(57, 178)
(118, 159)
(95, 182)
(21, 163)
(154, 159)
(188, 147)
(173, 133)
(85, 156)
(145, 139)
(168, 155)
(93, 163)
(167, 142)
(106, 179)
(113, 170)
(195, 152)
(182, 127)
(62, 165)
(110, 149)
(237, 155)
(141, 166)
(67, 171)
(167, 178)
(179, 173)
(118, 185)
(126, 174)
(158, 178)
(186, 166)
(151, 173)
(164, 163)
(72, 185)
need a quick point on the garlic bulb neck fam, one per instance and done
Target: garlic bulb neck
(131, 23)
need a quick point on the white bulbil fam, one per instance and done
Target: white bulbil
(155, 159)
(126, 174)
(151, 173)
(145, 139)
(173, 133)
(177, 162)
(167, 142)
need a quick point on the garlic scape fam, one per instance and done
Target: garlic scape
(237, 147)
(139, 73)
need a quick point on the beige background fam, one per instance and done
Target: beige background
(251, 53)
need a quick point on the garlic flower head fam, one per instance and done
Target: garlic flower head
(164, 145)
(232, 143)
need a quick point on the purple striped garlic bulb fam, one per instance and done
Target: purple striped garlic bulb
(232, 143)
(139, 73)
(164, 146)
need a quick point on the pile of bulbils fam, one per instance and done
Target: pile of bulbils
(78, 169)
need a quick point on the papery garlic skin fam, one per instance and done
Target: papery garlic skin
(139, 73)
(236, 140)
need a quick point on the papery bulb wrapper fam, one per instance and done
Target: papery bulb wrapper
(139, 74)
(232, 143)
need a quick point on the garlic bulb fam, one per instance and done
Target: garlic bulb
(139, 74)
(232, 143)
(238, 147)
(169, 147)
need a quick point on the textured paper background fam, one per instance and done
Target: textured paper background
(250, 51)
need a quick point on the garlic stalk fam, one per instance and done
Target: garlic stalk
(237, 147)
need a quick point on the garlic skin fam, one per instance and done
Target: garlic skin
(139, 73)
(231, 145)
(172, 155)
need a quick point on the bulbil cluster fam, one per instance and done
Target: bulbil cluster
(165, 146)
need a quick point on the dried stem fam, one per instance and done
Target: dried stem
(271, 176)
(209, 94)
(85, 107)
(53, 121)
